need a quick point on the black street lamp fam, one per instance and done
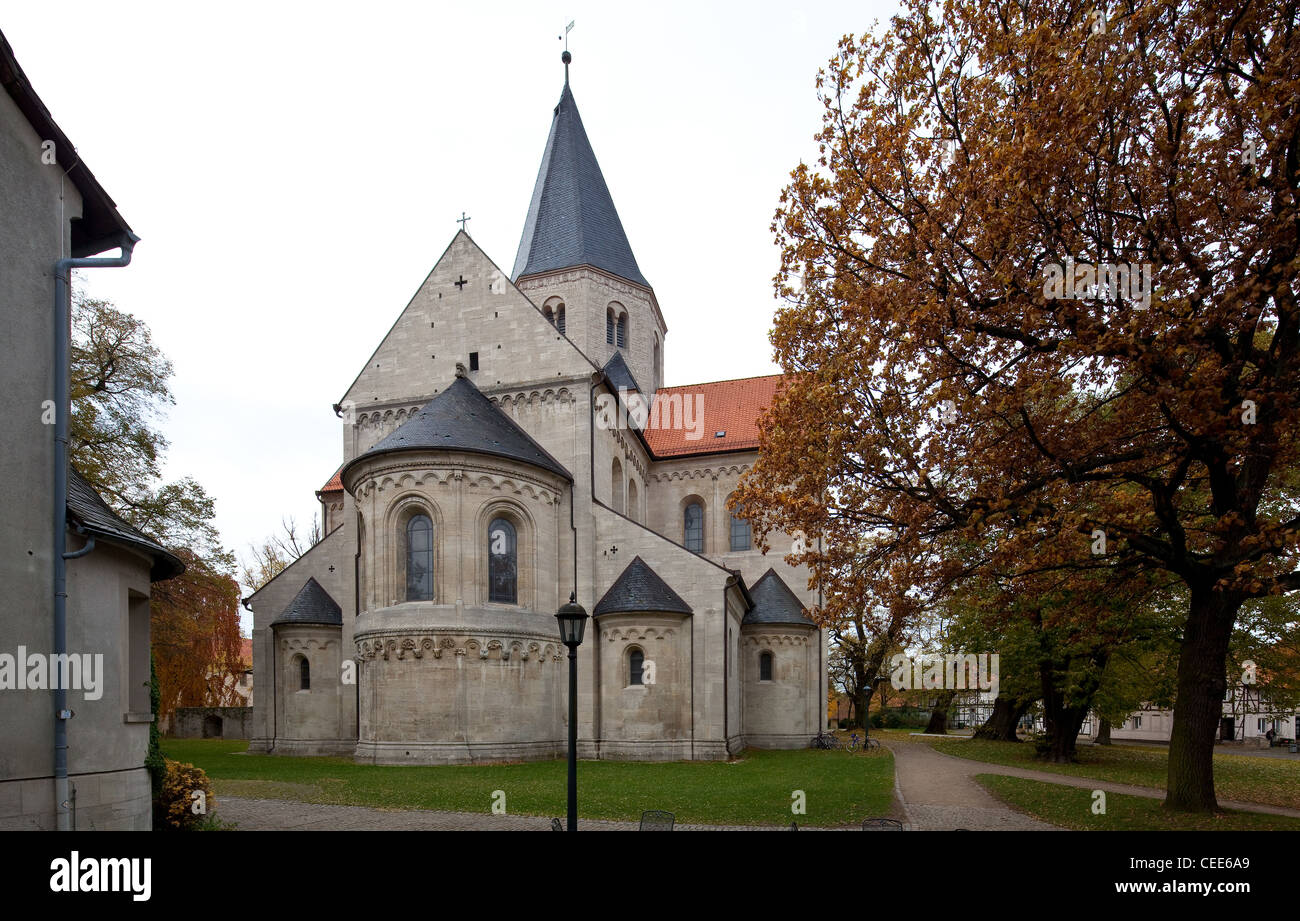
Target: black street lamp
(573, 622)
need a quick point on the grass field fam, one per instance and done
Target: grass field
(1071, 807)
(1275, 782)
(757, 789)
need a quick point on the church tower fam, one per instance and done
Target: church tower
(574, 260)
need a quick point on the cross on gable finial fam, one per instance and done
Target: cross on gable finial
(463, 220)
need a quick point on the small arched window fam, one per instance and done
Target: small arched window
(635, 667)
(609, 325)
(304, 674)
(741, 538)
(549, 314)
(419, 558)
(659, 372)
(503, 562)
(361, 563)
(694, 527)
(559, 318)
(616, 485)
(621, 331)
(632, 503)
(765, 666)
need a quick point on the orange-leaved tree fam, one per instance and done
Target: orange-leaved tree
(1042, 299)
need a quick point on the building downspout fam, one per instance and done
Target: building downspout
(59, 557)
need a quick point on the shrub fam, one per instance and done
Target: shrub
(177, 802)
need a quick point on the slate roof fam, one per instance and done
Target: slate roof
(312, 605)
(461, 418)
(639, 588)
(733, 407)
(87, 509)
(619, 374)
(571, 219)
(775, 603)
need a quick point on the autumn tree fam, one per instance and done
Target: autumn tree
(119, 389)
(266, 561)
(1042, 281)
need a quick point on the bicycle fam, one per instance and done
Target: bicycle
(825, 740)
(866, 743)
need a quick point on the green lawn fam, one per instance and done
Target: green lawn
(839, 788)
(1272, 781)
(1071, 807)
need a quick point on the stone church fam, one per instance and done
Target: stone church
(511, 441)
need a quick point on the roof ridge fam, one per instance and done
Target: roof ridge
(727, 380)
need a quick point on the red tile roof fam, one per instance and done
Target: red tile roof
(335, 483)
(732, 407)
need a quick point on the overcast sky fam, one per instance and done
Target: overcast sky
(295, 169)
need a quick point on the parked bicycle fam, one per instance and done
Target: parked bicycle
(825, 740)
(864, 744)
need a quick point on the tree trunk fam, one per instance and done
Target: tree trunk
(939, 716)
(1062, 720)
(1002, 722)
(1199, 706)
(1103, 731)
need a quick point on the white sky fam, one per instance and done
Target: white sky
(295, 169)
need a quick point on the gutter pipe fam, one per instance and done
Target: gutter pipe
(59, 518)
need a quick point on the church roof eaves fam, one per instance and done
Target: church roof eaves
(312, 605)
(775, 603)
(640, 588)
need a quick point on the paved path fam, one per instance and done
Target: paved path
(939, 791)
(287, 815)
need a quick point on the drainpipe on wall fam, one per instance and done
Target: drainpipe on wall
(59, 556)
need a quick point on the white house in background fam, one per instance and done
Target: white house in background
(1246, 717)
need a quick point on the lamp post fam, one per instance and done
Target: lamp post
(573, 622)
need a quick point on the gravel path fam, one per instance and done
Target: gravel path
(939, 791)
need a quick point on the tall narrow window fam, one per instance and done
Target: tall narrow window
(694, 531)
(609, 325)
(636, 664)
(621, 332)
(633, 503)
(616, 485)
(503, 562)
(549, 314)
(419, 558)
(765, 667)
(658, 371)
(741, 539)
(304, 674)
(559, 319)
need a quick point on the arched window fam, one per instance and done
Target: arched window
(658, 371)
(635, 666)
(741, 538)
(304, 674)
(621, 331)
(559, 318)
(765, 666)
(549, 314)
(694, 527)
(609, 325)
(616, 485)
(633, 506)
(419, 558)
(503, 562)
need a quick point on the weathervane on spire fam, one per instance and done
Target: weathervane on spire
(566, 57)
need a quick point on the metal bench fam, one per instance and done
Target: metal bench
(881, 825)
(657, 820)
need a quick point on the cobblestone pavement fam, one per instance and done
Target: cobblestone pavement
(286, 815)
(939, 791)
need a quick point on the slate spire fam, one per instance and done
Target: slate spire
(571, 218)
